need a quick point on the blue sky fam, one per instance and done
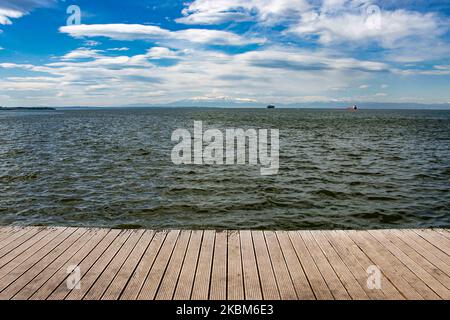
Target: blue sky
(257, 51)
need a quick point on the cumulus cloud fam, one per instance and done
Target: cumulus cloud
(358, 22)
(129, 32)
(14, 9)
(220, 11)
(389, 29)
(90, 77)
(82, 53)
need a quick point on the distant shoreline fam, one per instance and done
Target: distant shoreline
(27, 109)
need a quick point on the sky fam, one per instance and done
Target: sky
(243, 51)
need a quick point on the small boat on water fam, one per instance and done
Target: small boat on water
(353, 108)
(270, 106)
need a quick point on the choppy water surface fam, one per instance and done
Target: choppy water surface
(369, 169)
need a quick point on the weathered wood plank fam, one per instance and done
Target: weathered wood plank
(424, 276)
(155, 275)
(202, 279)
(336, 287)
(47, 271)
(57, 287)
(317, 282)
(107, 275)
(126, 271)
(218, 290)
(436, 240)
(169, 281)
(299, 280)
(387, 264)
(26, 271)
(266, 275)
(282, 276)
(187, 275)
(235, 281)
(414, 254)
(19, 255)
(90, 276)
(234, 265)
(252, 285)
(139, 276)
(357, 262)
(354, 289)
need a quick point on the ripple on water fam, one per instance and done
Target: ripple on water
(112, 168)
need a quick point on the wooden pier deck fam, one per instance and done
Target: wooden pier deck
(36, 263)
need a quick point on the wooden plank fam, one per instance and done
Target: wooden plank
(282, 276)
(357, 262)
(346, 277)
(336, 287)
(235, 281)
(202, 279)
(33, 265)
(387, 285)
(266, 275)
(107, 275)
(318, 284)
(6, 232)
(419, 259)
(299, 280)
(90, 276)
(436, 240)
(14, 237)
(421, 242)
(19, 255)
(155, 275)
(218, 290)
(21, 290)
(439, 289)
(21, 240)
(416, 282)
(56, 288)
(139, 276)
(126, 271)
(443, 232)
(387, 264)
(252, 285)
(187, 275)
(169, 281)
(234, 265)
(425, 249)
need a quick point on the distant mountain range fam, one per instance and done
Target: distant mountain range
(241, 103)
(228, 103)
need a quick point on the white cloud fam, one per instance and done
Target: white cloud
(395, 27)
(7, 14)
(332, 22)
(14, 9)
(128, 32)
(271, 74)
(210, 12)
(119, 49)
(91, 43)
(82, 53)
